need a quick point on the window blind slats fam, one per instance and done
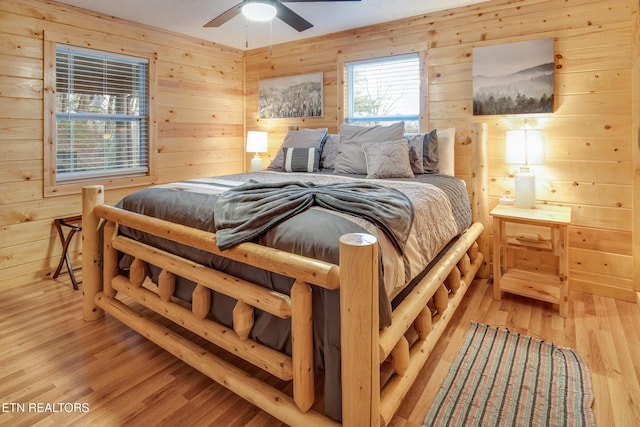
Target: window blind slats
(101, 115)
(384, 90)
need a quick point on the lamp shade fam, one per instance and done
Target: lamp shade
(259, 10)
(524, 147)
(257, 141)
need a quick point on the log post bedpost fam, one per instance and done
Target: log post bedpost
(480, 188)
(359, 320)
(302, 343)
(92, 196)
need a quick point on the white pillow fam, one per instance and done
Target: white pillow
(446, 151)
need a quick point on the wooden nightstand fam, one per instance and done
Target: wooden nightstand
(542, 285)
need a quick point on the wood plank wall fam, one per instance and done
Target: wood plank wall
(589, 138)
(200, 120)
(199, 112)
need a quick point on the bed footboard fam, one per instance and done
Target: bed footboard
(105, 284)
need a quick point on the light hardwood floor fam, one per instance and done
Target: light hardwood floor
(49, 356)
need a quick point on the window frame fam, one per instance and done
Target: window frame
(344, 87)
(110, 181)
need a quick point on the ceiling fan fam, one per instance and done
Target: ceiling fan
(268, 9)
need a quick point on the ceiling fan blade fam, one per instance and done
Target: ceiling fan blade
(291, 18)
(225, 16)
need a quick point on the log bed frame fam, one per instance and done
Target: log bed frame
(369, 356)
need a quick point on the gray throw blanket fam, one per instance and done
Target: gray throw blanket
(249, 210)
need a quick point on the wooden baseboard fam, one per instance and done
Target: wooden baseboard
(604, 290)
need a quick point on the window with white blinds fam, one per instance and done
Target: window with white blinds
(102, 118)
(384, 90)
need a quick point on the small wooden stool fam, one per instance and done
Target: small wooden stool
(74, 223)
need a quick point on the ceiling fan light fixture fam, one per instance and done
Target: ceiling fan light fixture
(259, 10)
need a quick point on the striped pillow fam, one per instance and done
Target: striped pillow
(298, 159)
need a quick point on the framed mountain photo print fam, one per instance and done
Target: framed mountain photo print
(514, 78)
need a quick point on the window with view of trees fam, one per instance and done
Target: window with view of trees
(101, 112)
(384, 90)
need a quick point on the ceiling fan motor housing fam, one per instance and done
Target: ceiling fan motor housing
(265, 10)
(259, 10)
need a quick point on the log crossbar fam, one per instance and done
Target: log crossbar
(264, 357)
(241, 290)
(367, 352)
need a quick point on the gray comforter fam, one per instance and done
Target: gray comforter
(441, 212)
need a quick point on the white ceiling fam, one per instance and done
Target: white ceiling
(188, 17)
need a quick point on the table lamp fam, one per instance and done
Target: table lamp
(257, 142)
(525, 147)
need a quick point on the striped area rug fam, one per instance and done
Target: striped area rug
(504, 379)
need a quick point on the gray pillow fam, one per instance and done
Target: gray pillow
(301, 159)
(329, 151)
(350, 157)
(388, 160)
(415, 153)
(423, 152)
(303, 138)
